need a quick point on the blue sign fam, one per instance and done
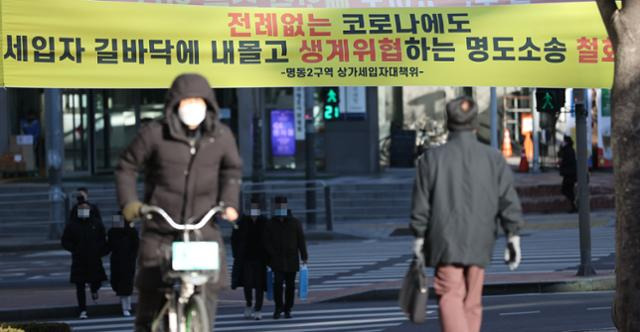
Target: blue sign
(283, 134)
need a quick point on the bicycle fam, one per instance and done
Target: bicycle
(193, 263)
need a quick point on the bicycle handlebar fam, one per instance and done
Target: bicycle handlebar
(146, 211)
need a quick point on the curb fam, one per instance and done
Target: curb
(586, 285)
(31, 247)
(60, 313)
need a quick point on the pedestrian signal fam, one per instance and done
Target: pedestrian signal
(331, 103)
(549, 100)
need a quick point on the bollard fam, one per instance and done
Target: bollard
(328, 207)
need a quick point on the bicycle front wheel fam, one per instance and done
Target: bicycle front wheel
(195, 317)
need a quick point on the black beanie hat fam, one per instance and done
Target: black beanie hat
(459, 119)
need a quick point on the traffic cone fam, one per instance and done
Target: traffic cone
(506, 144)
(528, 146)
(524, 163)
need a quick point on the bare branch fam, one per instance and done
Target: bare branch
(608, 9)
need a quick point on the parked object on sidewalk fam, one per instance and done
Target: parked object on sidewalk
(524, 163)
(303, 285)
(84, 236)
(507, 150)
(123, 243)
(286, 246)
(460, 189)
(414, 292)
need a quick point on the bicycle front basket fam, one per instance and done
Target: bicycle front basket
(195, 256)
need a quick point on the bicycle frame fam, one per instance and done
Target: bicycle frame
(185, 283)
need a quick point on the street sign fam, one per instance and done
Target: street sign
(298, 111)
(355, 102)
(283, 137)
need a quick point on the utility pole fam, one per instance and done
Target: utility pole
(493, 109)
(397, 118)
(310, 157)
(257, 172)
(586, 268)
(55, 158)
(536, 136)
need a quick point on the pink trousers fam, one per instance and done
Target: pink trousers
(460, 297)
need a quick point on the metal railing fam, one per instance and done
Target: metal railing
(14, 204)
(335, 202)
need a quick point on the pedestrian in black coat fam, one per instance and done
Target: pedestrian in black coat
(568, 171)
(123, 242)
(285, 244)
(250, 259)
(84, 237)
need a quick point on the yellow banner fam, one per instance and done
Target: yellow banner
(97, 44)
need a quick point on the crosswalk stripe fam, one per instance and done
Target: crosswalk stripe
(358, 328)
(296, 319)
(339, 319)
(307, 326)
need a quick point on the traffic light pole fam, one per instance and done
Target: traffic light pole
(257, 174)
(55, 158)
(310, 157)
(493, 108)
(536, 136)
(586, 268)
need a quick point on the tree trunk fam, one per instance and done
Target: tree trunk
(624, 31)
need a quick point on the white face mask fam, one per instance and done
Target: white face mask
(192, 114)
(255, 212)
(83, 213)
(280, 212)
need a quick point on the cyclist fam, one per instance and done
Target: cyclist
(191, 163)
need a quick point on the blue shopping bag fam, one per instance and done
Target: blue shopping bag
(269, 284)
(303, 290)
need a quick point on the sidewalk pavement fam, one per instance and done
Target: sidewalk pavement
(55, 302)
(390, 175)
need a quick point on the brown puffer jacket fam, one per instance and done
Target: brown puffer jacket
(185, 179)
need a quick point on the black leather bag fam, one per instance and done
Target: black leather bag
(414, 292)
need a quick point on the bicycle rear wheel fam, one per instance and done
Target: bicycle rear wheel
(196, 317)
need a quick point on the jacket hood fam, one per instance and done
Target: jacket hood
(190, 86)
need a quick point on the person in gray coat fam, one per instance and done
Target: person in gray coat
(463, 193)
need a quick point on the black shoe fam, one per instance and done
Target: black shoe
(287, 314)
(276, 315)
(95, 296)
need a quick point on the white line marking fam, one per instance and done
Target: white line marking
(519, 313)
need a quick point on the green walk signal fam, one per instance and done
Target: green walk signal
(548, 102)
(331, 103)
(332, 96)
